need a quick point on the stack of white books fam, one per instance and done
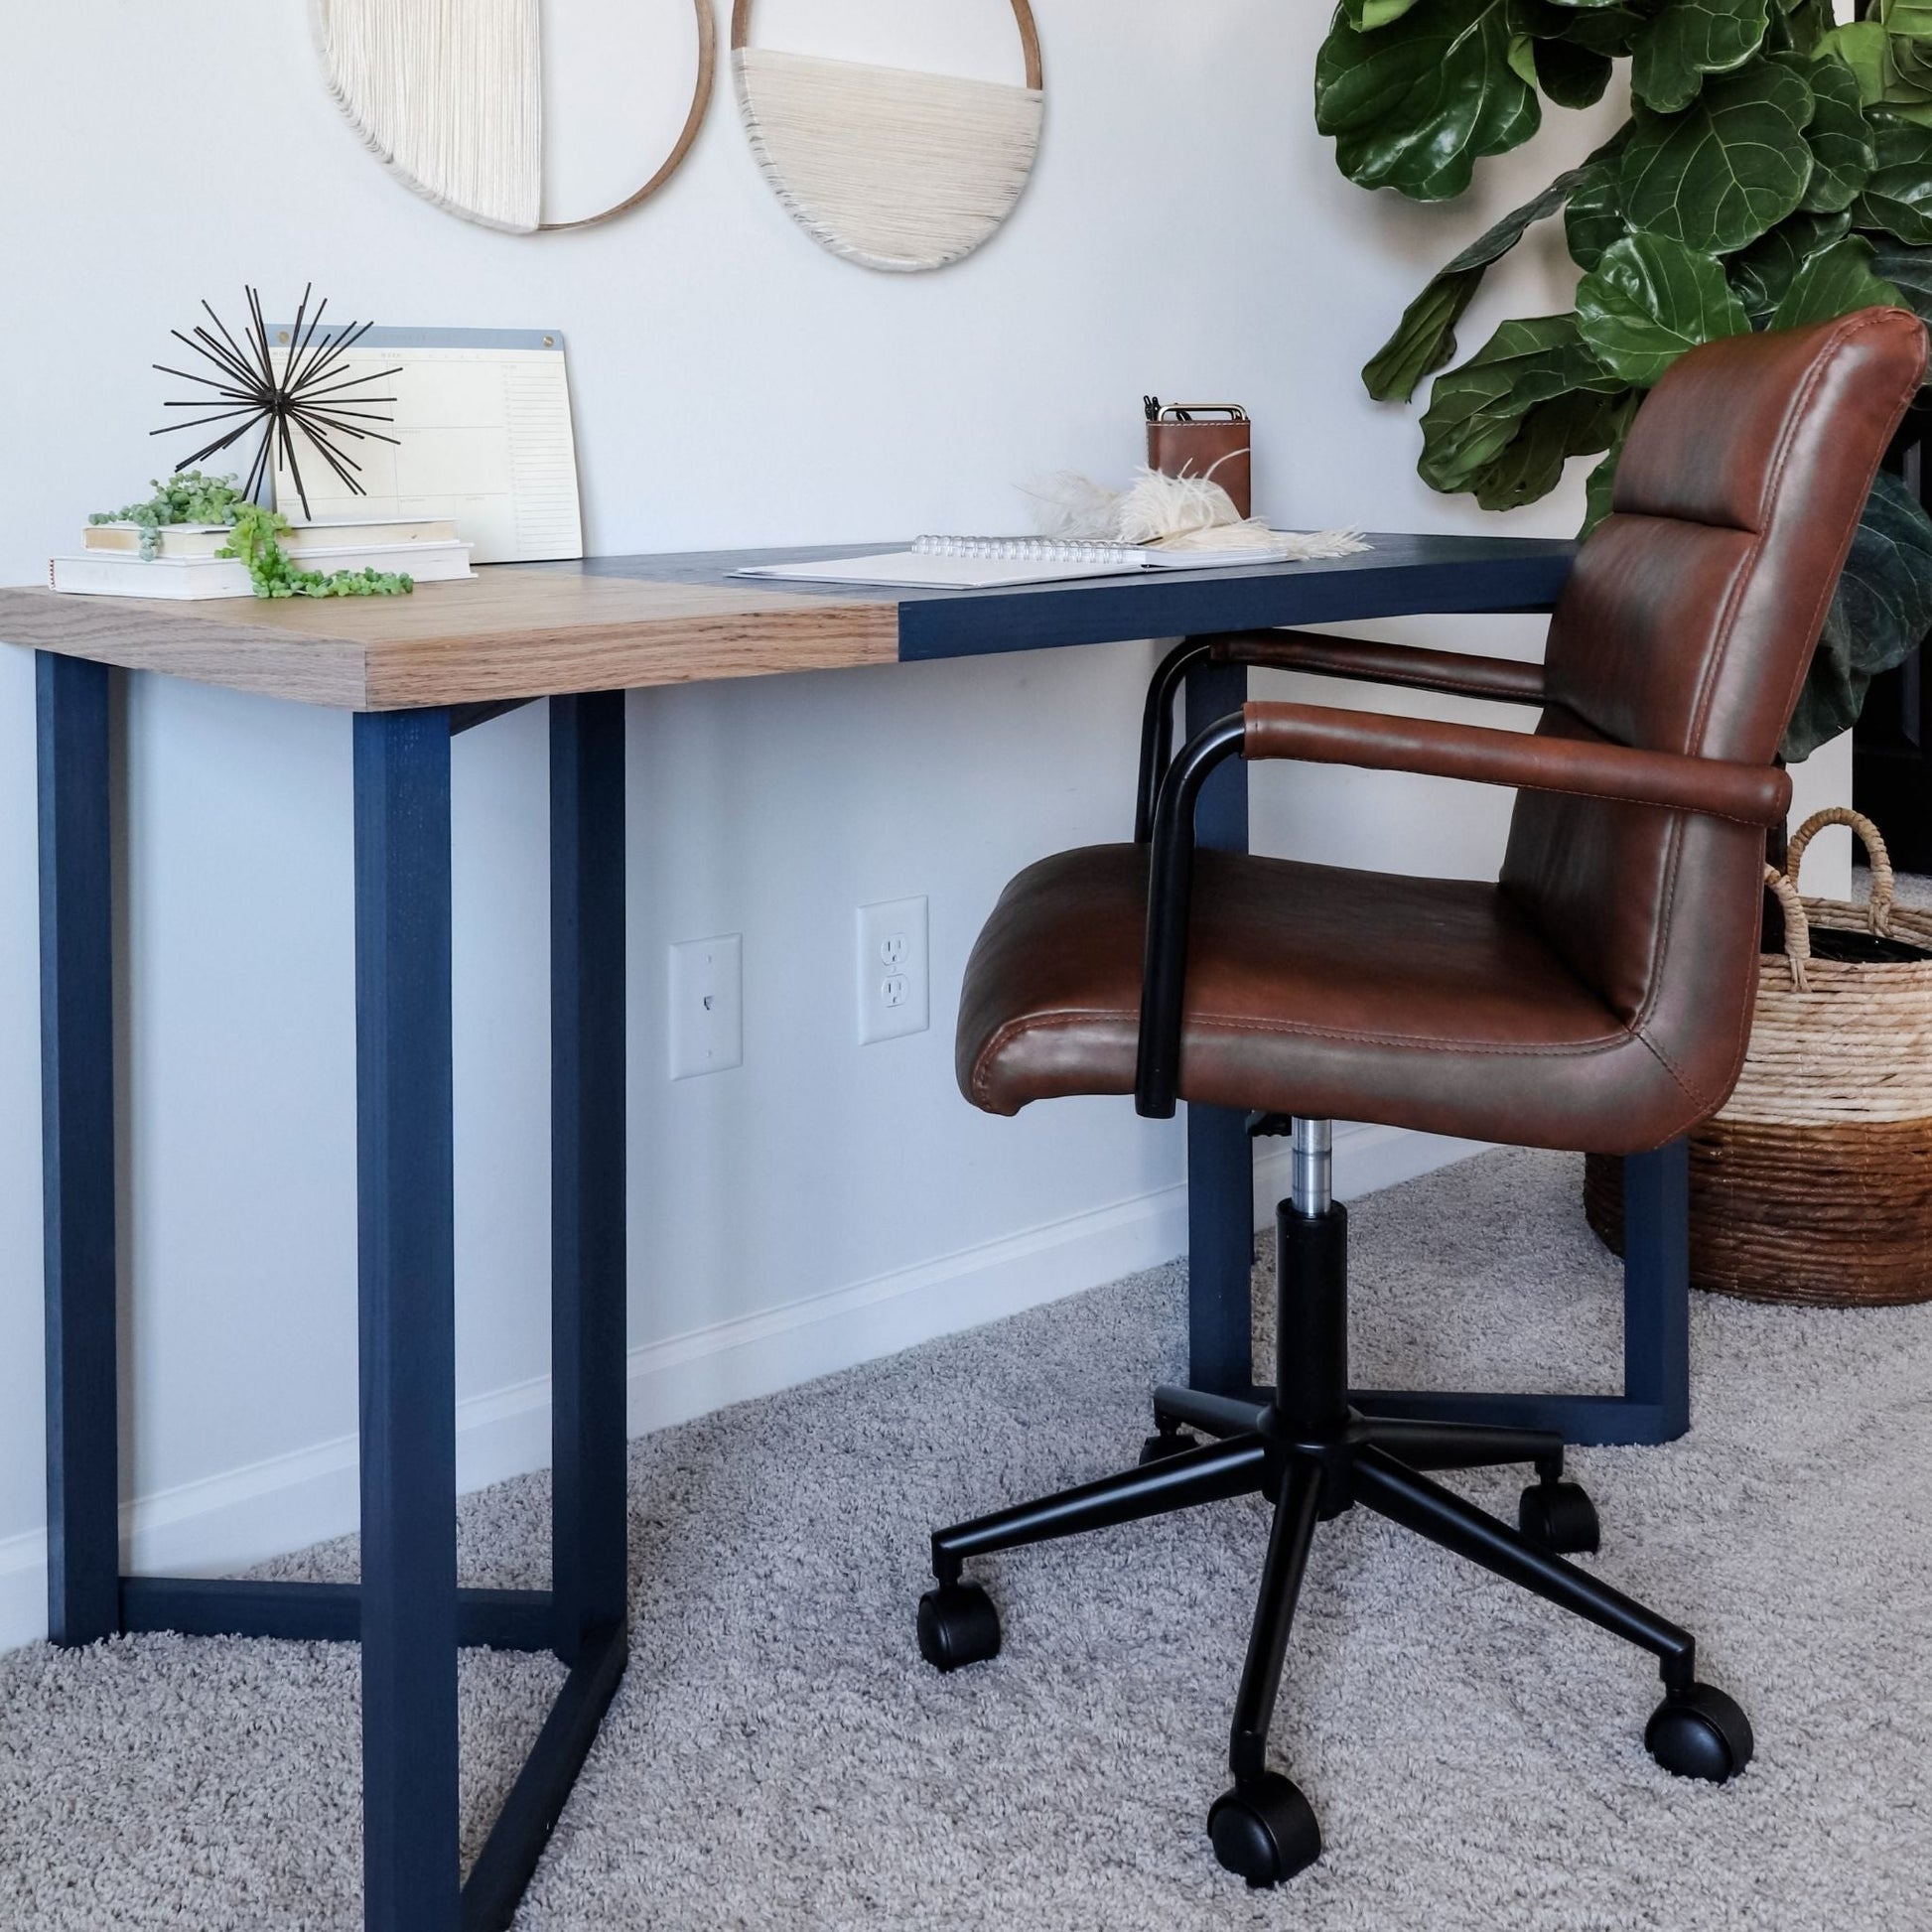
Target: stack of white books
(186, 565)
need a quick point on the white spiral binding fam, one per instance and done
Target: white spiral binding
(1030, 550)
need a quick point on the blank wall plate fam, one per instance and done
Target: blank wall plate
(895, 994)
(707, 980)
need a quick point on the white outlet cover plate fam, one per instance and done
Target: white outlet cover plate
(895, 984)
(707, 1006)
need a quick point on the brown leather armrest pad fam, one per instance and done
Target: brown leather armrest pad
(1589, 768)
(1500, 678)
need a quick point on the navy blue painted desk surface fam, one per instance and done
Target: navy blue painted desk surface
(416, 671)
(1399, 576)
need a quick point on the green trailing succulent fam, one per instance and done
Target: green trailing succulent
(256, 538)
(1776, 169)
(188, 496)
(257, 541)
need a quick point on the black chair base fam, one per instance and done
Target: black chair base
(1313, 1455)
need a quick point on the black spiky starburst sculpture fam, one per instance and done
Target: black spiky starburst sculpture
(309, 393)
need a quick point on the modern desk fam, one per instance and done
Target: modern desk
(415, 671)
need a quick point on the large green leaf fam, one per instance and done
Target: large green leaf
(1610, 27)
(1414, 104)
(1593, 217)
(1898, 198)
(1833, 283)
(1764, 271)
(1860, 45)
(1891, 56)
(1882, 610)
(1728, 167)
(1842, 147)
(1600, 487)
(1649, 300)
(1908, 270)
(1425, 339)
(1910, 19)
(1571, 75)
(1688, 39)
(1799, 26)
(1608, 30)
(1367, 15)
(1531, 464)
(1475, 411)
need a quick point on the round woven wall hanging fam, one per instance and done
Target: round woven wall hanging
(894, 168)
(448, 93)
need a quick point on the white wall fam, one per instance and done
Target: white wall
(733, 384)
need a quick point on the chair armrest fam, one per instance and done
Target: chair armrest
(1502, 679)
(1586, 767)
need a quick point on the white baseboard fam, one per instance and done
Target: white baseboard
(243, 1516)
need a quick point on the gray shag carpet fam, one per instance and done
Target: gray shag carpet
(779, 1757)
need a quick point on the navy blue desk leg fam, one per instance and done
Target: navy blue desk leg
(1220, 1156)
(1655, 1406)
(407, 1266)
(1657, 1287)
(586, 1029)
(78, 1124)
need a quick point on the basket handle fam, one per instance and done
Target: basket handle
(1878, 912)
(1797, 928)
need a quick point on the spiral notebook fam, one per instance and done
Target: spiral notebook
(995, 563)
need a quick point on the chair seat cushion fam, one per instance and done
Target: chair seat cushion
(1419, 1003)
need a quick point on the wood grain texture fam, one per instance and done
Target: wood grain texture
(528, 631)
(513, 633)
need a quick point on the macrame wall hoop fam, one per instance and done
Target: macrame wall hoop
(895, 170)
(700, 105)
(448, 95)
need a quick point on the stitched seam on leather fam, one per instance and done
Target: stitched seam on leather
(1673, 862)
(1768, 513)
(1830, 583)
(1767, 508)
(1424, 1043)
(1663, 1059)
(1012, 1030)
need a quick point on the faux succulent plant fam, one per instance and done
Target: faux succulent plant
(1776, 169)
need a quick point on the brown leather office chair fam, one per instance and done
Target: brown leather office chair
(1597, 998)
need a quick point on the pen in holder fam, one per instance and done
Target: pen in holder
(1203, 439)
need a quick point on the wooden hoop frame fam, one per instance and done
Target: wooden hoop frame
(1022, 12)
(700, 105)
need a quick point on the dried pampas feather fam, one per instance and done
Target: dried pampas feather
(1074, 509)
(1173, 513)
(1161, 509)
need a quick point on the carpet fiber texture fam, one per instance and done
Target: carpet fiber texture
(779, 1757)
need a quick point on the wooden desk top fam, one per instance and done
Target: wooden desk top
(524, 630)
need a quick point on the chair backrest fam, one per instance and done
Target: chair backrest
(1687, 626)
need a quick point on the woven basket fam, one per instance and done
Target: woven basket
(1814, 1184)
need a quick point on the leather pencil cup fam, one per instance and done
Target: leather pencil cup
(1203, 440)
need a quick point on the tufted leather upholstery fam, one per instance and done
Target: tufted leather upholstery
(1599, 997)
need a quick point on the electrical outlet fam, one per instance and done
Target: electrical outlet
(707, 982)
(893, 992)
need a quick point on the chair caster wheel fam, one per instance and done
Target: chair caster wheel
(958, 1625)
(1559, 1517)
(1265, 1830)
(1156, 1449)
(1700, 1733)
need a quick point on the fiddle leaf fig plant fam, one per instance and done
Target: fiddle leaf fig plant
(1776, 169)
